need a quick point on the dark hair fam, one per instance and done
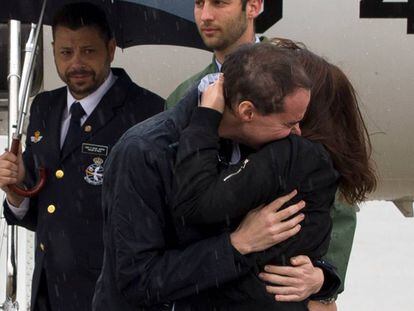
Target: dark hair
(244, 4)
(263, 74)
(82, 14)
(333, 118)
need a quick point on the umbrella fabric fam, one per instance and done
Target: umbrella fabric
(137, 22)
(133, 23)
(273, 12)
(183, 9)
(158, 24)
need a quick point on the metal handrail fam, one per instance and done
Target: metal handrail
(24, 90)
(20, 101)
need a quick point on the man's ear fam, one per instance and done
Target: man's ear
(253, 8)
(246, 111)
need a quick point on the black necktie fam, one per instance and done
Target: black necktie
(74, 132)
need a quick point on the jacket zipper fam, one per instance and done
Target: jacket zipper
(238, 171)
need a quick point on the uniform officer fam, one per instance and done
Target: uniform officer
(71, 132)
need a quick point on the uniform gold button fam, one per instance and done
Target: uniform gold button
(59, 174)
(51, 209)
(42, 247)
(88, 128)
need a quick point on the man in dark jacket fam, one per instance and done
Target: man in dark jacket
(71, 132)
(224, 26)
(145, 267)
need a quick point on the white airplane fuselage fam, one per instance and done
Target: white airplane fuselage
(375, 53)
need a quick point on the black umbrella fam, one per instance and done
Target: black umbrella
(137, 22)
(273, 12)
(183, 9)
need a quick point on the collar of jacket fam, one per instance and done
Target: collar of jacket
(121, 84)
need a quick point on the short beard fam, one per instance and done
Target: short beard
(81, 90)
(231, 37)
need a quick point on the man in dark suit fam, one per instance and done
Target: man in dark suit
(70, 133)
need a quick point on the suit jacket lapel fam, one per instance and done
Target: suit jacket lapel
(56, 106)
(101, 116)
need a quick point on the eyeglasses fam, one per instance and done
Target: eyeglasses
(287, 44)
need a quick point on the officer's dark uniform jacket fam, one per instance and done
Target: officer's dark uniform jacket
(67, 214)
(144, 266)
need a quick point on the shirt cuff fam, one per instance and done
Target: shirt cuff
(21, 210)
(331, 283)
(206, 118)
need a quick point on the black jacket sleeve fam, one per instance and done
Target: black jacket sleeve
(204, 194)
(331, 283)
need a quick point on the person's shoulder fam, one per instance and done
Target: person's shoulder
(142, 149)
(294, 148)
(47, 98)
(144, 102)
(137, 102)
(135, 93)
(44, 95)
(312, 156)
(153, 135)
(145, 94)
(307, 147)
(183, 88)
(304, 142)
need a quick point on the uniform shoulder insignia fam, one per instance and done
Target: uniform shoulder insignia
(36, 137)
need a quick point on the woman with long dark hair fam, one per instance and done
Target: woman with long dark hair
(334, 119)
(333, 153)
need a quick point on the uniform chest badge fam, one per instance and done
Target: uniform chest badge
(94, 173)
(36, 137)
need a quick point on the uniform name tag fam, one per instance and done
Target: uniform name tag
(95, 149)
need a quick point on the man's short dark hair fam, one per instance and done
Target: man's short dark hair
(263, 74)
(82, 14)
(244, 4)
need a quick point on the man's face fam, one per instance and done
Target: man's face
(266, 128)
(82, 58)
(221, 23)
